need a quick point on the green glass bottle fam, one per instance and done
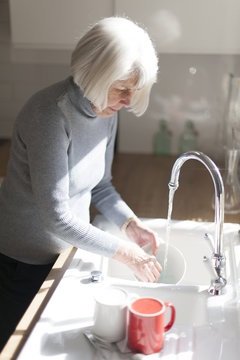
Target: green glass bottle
(162, 140)
(188, 139)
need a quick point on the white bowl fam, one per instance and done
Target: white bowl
(176, 264)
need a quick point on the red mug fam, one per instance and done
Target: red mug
(146, 324)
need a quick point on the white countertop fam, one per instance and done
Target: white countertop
(58, 335)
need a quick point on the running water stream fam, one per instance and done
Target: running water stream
(168, 228)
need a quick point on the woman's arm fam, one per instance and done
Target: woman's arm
(104, 196)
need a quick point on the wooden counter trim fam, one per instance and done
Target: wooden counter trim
(15, 343)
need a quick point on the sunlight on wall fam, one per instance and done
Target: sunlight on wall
(166, 27)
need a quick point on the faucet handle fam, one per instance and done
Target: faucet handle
(212, 271)
(216, 287)
(217, 280)
(209, 238)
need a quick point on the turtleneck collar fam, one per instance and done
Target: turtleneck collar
(81, 103)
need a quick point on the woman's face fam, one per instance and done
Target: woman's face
(120, 95)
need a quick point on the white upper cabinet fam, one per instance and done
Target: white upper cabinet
(54, 24)
(188, 26)
(176, 26)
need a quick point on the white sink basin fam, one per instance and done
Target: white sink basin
(187, 236)
(190, 296)
(191, 304)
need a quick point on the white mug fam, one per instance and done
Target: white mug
(110, 315)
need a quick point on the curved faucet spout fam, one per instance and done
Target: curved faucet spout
(219, 198)
(218, 187)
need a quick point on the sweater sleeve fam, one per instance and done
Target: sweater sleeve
(47, 143)
(104, 196)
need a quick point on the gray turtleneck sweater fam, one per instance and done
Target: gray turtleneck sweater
(60, 161)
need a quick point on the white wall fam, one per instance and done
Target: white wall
(36, 39)
(199, 45)
(189, 86)
(44, 32)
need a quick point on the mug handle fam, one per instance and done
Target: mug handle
(132, 297)
(173, 314)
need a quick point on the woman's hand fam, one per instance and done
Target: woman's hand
(145, 266)
(142, 235)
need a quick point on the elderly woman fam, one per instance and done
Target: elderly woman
(60, 162)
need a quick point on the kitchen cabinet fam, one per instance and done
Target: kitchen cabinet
(188, 26)
(55, 24)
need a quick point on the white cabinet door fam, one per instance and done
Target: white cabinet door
(54, 24)
(188, 26)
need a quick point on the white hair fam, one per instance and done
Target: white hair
(112, 50)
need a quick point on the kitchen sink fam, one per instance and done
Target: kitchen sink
(189, 237)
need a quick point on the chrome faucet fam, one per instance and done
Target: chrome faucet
(218, 281)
